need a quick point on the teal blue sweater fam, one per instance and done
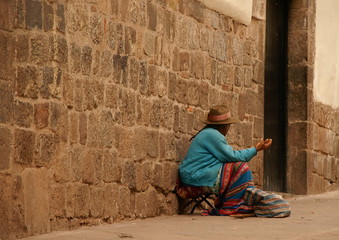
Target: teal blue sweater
(205, 156)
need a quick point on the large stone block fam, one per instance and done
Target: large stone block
(48, 17)
(125, 142)
(167, 112)
(77, 165)
(96, 29)
(41, 115)
(167, 146)
(297, 135)
(152, 16)
(96, 206)
(46, 149)
(258, 72)
(6, 56)
(27, 79)
(36, 204)
(182, 32)
(298, 47)
(130, 41)
(197, 10)
(33, 14)
(124, 201)
(82, 128)
(62, 167)
(259, 9)
(111, 200)
(166, 24)
(51, 80)
(40, 49)
(93, 94)
(60, 18)
(92, 166)
(115, 35)
(297, 172)
(59, 120)
(221, 45)
(57, 200)
(112, 167)
(143, 175)
(21, 48)
(237, 51)
(86, 60)
(24, 144)
(6, 148)
(239, 77)
(6, 99)
(134, 73)
(6, 14)
(81, 200)
(6, 206)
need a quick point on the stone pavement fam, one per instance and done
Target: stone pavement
(313, 217)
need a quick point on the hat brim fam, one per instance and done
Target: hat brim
(230, 120)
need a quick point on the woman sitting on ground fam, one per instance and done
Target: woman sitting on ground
(212, 163)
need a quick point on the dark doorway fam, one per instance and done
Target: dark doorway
(275, 94)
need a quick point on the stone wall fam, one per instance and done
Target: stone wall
(99, 100)
(313, 130)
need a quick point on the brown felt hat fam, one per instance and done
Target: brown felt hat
(219, 115)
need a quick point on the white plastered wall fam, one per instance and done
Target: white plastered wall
(326, 71)
(239, 10)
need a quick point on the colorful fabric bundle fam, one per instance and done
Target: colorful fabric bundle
(234, 180)
(266, 204)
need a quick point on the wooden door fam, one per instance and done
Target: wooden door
(275, 121)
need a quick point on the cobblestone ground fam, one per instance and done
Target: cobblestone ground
(313, 217)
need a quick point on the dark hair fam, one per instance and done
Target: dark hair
(214, 126)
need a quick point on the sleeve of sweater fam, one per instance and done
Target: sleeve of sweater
(218, 147)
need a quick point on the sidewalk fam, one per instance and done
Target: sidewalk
(313, 217)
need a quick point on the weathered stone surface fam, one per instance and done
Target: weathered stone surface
(152, 16)
(21, 48)
(197, 10)
(60, 18)
(296, 174)
(6, 15)
(259, 9)
(298, 47)
(124, 201)
(39, 49)
(57, 200)
(6, 56)
(46, 149)
(41, 115)
(130, 41)
(96, 208)
(24, 146)
(48, 17)
(86, 60)
(111, 200)
(33, 14)
(182, 32)
(36, 204)
(81, 200)
(59, 49)
(23, 114)
(237, 49)
(6, 148)
(220, 44)
(96, 29)
(6, 99)
(239, 77)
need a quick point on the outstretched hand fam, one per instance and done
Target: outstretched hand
(263, 145)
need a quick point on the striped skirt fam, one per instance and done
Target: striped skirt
(237, 195)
